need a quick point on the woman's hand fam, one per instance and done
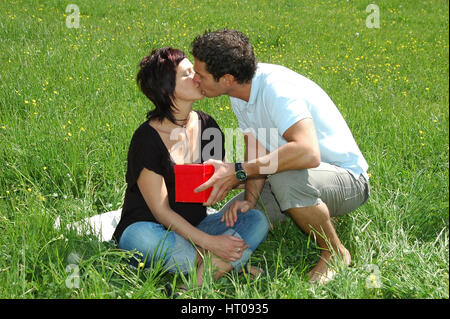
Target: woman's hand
(227, 247)
(230, 216)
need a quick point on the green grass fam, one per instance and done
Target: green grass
(69, 105)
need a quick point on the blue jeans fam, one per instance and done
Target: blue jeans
(176, 254)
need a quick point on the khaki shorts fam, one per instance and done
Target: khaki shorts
(329, 184)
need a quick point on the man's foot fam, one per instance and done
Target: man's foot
(322, 273)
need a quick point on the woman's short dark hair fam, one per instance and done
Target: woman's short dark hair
(226, 52)
(156, 79)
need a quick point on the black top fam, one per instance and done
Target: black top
(148, 150)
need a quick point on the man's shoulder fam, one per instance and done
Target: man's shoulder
(274, 75)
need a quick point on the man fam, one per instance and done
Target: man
(313, 165)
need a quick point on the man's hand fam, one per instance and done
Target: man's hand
(222, 181)
(230, 216)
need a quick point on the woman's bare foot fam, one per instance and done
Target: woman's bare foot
(254, 271)
(322, 273)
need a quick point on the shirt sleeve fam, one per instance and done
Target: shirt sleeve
(144, 152)
(285, 106)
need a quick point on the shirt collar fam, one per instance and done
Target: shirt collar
(254, 88)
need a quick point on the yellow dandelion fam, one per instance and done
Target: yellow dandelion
(26, 101)
(4, 127)
(44, 168)
(29, 190)
(70, 134)
(427, 89)
(69, 122)
(420, 132)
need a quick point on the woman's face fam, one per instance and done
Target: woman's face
(185, 87)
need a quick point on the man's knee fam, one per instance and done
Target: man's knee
(293, 189)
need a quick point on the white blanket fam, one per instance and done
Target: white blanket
(102, 225)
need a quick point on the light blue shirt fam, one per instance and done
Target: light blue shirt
(279, 98)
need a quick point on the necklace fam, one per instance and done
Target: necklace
(186, 120)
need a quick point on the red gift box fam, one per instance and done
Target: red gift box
(187, 178)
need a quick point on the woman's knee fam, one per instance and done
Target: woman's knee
(254, 228)
(150, 242)
(259, 220)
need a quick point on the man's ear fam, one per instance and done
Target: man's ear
(227, 80)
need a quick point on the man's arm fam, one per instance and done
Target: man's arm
(300, 152)
(253, 186)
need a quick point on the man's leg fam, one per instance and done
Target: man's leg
(311, 197)
(315, 221)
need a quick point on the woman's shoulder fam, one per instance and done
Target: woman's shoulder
(143, 129)
(145, 133)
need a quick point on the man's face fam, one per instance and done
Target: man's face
(209, 87)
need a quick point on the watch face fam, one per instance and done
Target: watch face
(241, 175)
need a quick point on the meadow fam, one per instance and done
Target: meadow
(69, 105)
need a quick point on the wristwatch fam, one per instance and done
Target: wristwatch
(240, 174)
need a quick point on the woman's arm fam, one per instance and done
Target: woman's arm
(154, 191)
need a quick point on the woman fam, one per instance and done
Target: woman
(177, 234)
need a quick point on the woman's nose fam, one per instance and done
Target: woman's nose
(196, 78)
